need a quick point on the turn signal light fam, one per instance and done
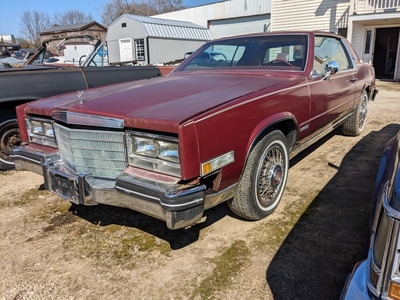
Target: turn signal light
(394, 290)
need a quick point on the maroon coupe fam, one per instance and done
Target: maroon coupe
(221, 127)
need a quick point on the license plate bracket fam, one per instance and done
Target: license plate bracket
(63, 186)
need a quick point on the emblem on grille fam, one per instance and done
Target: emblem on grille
(80, 94)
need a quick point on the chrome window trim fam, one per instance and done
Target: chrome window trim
(385, 271)
(350, 56)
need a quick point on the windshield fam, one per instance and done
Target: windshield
(283, 52)
(99, 58)
(20, 54)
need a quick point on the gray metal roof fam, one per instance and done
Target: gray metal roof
(156, 27)
(72, 27)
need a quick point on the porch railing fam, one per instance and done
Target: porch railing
(375, 6)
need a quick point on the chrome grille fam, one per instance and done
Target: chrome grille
(101, 153)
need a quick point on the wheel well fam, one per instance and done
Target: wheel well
(8, 109)
(368, 90)
(287, 127)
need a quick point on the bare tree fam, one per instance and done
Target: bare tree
(115, 8)
(32, 23)
(71, 17)
(24, 43)
(164, 6)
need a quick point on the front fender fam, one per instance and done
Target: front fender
(273, 121)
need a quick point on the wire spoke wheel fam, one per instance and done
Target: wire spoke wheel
(363, 112)
(269, 178)
(355, 124)
(263, 181)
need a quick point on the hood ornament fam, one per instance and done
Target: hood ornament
(80, 94)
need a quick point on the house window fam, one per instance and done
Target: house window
(123, 25)
(368, 35)
(139, 49)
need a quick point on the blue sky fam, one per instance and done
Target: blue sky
(11, 12)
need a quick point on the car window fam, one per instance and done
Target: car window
(99, 58)
(284, 52)
(20, 54)
(329, 49)
(39, 57)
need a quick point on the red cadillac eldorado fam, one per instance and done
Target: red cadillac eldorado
(221, 127)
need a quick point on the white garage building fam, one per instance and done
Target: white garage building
(228, 18)
(148, 40)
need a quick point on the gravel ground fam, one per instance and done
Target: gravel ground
(54, 250)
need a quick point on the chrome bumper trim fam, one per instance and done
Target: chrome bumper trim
(28, 159)
(179, 208)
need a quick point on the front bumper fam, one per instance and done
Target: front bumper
(158, 196)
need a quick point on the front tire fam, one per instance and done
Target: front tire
(264, 178)
(355, 124)
(9, 139)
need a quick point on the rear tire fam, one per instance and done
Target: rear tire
(355, 124)
(264, 178)
(9, 139)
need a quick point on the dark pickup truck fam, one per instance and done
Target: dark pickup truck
(20, 83)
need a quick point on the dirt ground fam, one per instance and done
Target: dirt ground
(51, 249)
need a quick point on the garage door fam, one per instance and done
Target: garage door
(236, 26)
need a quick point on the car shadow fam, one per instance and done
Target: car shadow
(104, 215)
(332, 234)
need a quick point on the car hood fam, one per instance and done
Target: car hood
(12, 60)
(160, 103)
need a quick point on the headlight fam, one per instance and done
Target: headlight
(145, 146)
(153, 147)
(154, 152)
(40, 131)
(168, 151)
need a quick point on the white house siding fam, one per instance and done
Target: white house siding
(326, 15)
(225, 12)
(357, 39)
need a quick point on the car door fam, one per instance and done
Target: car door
(332, 97)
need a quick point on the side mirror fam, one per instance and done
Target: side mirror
(331, 68)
